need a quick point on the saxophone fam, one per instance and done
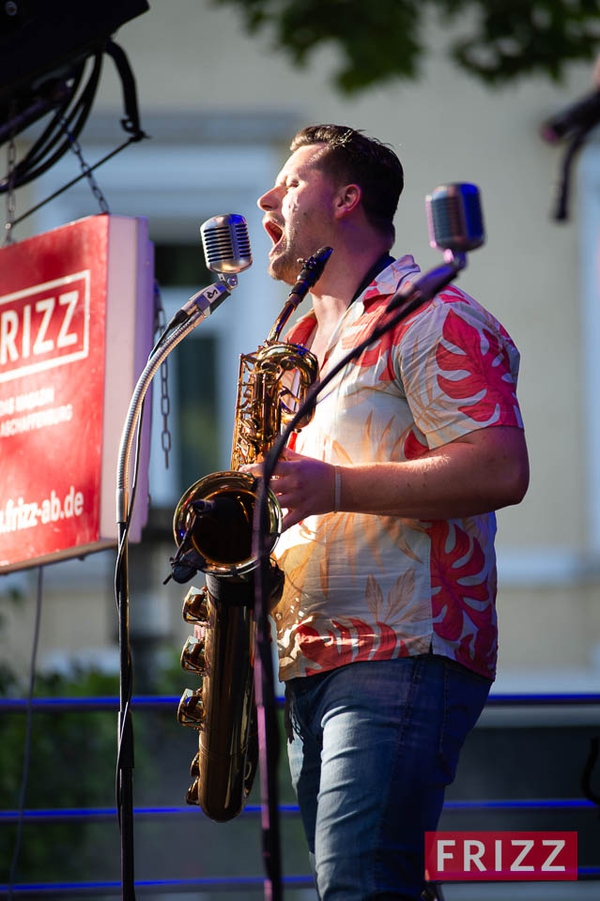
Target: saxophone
(213, 530)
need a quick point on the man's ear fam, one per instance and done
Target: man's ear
(347, 199)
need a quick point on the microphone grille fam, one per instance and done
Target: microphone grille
(226, 243)
(455, 217)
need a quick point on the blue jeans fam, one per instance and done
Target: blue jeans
(372, 746)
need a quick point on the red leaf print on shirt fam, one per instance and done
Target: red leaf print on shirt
(377, 353)
(458, 574)
(481, 368)
(351, 644)
(480, 648)
(414, 447)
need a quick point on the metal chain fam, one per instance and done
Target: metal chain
(76, 148)
(165, 401)
(11, 204)
(165, 408)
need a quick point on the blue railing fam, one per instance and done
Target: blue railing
(250, 884)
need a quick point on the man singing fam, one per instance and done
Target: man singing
(387, 625)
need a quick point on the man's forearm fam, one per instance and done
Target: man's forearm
(484, 471)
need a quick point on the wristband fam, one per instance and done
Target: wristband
(337, 488)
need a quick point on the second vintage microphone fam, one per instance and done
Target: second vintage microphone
(455, 223)
(455, 218)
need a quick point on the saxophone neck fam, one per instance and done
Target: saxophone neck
(274, 336)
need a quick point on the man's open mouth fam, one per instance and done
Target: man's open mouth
(274, 231)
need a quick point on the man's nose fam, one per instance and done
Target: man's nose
(268, 201)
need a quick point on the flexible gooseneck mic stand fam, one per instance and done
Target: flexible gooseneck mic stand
(198, 308)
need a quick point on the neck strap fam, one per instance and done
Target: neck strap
(382, 263)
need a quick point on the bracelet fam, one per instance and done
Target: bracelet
(337, 488)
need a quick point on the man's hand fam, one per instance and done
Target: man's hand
(302, 485)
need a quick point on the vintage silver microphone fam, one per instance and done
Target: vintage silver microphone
(226, 243)
(226, 251)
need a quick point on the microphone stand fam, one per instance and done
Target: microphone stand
(561, 205)
(185, 321)
(266, 713)
(401, 305)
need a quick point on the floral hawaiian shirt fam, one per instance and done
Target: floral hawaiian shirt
(367, 587)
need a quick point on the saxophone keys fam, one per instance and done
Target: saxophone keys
(195, 605)
(193, 655)
(195, 766)
(193, 793)
(191, 796)
(191, 711)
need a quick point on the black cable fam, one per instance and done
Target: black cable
(134, 480)
(561, 210)
(78, 115)
(124, 536)
(28, 732)
(36, 161)
(131, 122)
(52, 133)
(125, 740)
(68, 124)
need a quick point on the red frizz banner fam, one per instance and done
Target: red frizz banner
(76, 313)
(500, 856)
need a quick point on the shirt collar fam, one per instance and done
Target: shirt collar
(384, 284)
(389, 280)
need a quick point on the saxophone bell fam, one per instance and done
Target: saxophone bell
(214, 521)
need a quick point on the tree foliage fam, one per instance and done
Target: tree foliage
(381, 40)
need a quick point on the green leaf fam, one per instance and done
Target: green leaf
(382, 40)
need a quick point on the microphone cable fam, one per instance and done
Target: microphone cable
(125, 738)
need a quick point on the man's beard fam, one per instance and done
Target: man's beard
(293, 249)
(284, 265)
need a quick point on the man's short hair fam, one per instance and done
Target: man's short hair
(350, 157)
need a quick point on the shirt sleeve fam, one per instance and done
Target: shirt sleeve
(459, 369)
